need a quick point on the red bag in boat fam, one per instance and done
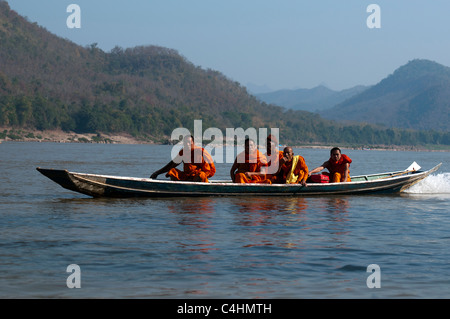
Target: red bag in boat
(319, 178)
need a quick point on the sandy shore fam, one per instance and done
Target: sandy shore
(59, 136)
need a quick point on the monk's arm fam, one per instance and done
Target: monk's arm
(304, 168)
(318, 169)
(167, 167)
(262, 172)
(347, 166)
(233, 170)
(251, 174)
(265, 169)
(282, 161)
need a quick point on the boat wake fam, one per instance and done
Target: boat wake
(433, 184)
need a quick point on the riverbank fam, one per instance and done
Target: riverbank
(59, 136)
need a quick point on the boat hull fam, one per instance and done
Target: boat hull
(122, 187)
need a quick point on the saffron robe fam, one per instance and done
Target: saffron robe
(294, 171)
(250, 163)
(273, 166)
(337, 169)
(199, 167)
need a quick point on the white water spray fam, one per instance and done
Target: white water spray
(433, 184)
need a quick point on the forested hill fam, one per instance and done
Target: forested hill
(47, 82)
(416, 96)
(143, 89)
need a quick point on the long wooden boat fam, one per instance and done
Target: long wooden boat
(118, 186)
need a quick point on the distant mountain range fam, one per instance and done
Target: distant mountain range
(415, 96)
(257, 89)
(312, 100)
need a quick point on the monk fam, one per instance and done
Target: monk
(338, 166)
(198, 164)
(293, 168)
(273, 159)
(247, 165)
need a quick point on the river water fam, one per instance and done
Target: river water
(220, 247)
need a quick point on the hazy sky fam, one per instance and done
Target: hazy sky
(280, 44)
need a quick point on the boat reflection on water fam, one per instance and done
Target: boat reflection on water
(291, 219)
(197, 212)
(292, 205)
(195, 237)
(337, 207)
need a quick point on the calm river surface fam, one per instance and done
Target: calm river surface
(223, 247)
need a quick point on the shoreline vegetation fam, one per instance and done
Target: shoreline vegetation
(59, 136)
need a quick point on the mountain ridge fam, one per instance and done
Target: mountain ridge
(49, 83)
(312, 100)
(414, 96)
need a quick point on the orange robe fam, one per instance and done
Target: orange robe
(250, 163)
(273, 166)
(300, 170)
(337, 169)
(199, 168)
